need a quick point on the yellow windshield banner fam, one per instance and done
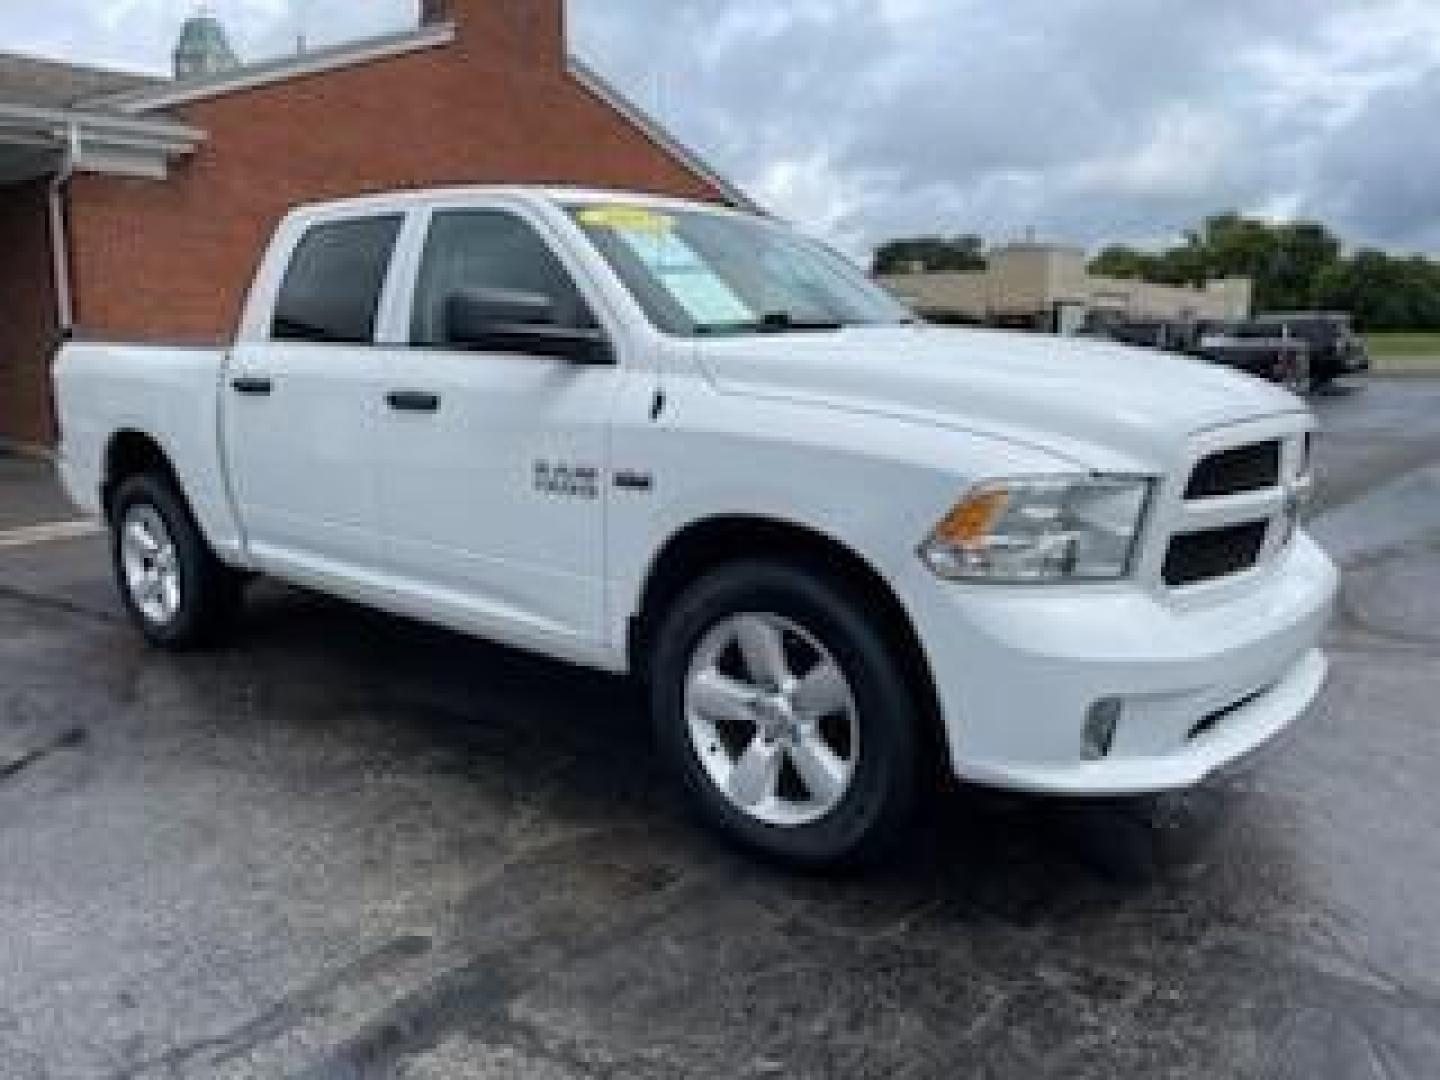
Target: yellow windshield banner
(633, 219)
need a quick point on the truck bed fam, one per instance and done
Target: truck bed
(168, 392)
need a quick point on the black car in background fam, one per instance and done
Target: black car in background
(1261, 348)
(1334, 347)
(1304, 350)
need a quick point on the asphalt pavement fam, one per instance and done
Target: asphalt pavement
(348, 846)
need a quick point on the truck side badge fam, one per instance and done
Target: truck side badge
(629, 480)
(569, 481)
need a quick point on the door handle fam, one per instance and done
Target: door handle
(417, 401)
(252, 386)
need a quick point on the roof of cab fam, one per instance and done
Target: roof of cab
(558, 196)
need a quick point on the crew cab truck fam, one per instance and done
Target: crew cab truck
(683, 442)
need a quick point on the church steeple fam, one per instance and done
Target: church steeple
(203, 49)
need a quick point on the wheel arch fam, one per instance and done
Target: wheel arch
(708, 544)
(131, 452)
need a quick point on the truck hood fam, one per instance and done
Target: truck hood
(1099, 405)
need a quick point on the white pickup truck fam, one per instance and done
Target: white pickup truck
(678, 441)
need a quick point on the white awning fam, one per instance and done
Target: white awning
(35, 142)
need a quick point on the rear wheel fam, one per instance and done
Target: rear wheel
(1292, 371)
(786, 715)
(1302, 380)
(175, 590)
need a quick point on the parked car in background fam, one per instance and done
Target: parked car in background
(1166, 335)
(1148, 334)
(1303, 351)
(658, 437)
(1334, 349)
(1262, 348)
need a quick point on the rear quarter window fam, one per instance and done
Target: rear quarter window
(331, 291)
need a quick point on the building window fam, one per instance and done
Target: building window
(332, 289)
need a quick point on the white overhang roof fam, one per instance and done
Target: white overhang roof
(35, 141)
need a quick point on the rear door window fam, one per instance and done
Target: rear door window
(332, 288)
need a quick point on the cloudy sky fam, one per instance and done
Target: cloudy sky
(1081, 120)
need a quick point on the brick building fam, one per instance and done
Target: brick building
(137, 209)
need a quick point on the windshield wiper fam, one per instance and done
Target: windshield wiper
(776, 322)
(779, 322)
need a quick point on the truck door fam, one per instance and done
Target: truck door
(494, 463)
(302, 409)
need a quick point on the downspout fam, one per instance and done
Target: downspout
(59, 234)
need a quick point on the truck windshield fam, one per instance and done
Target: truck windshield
(698, 273)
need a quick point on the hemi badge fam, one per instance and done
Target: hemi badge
(628, 480)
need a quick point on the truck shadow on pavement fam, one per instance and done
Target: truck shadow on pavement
(502, 717)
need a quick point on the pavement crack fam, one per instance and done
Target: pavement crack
(478, 995)
(72, 739)
(285, 1016)
(55, 603)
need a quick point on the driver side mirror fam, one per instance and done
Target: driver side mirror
(505, 320)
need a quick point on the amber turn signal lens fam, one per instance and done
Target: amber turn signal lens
(973, 519)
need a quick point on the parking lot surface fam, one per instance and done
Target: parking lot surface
(348, 846)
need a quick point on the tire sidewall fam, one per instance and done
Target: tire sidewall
(192, 557)
(882, 792)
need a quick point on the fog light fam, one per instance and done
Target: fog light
(1100, 723)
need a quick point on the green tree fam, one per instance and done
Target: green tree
(1285, 260)
(1119, 261)
(1383, 292)
(931, 255)
(1305, 250)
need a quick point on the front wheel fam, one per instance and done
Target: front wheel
(175, 590)
(786, 715)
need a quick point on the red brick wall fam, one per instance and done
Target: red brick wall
(27, 314)
(173, 259)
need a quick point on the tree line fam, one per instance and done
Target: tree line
(1296, 265)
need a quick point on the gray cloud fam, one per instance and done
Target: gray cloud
(1084, 120)
(1380, 174)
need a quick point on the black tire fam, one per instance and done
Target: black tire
(1301, 380)
(881, 794)
(210, 594)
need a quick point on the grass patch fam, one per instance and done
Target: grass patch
(1410, 346)
(1404, 354)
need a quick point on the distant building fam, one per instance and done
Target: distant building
(1049, 287)
(203, 49)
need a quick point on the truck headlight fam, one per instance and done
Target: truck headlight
(1082, 528)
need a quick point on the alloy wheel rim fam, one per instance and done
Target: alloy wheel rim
(773, 720)
(151, 564)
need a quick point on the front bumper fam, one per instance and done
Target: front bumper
(1201, 683)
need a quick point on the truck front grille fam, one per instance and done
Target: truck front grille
(1236, 471)
(1214, 553)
